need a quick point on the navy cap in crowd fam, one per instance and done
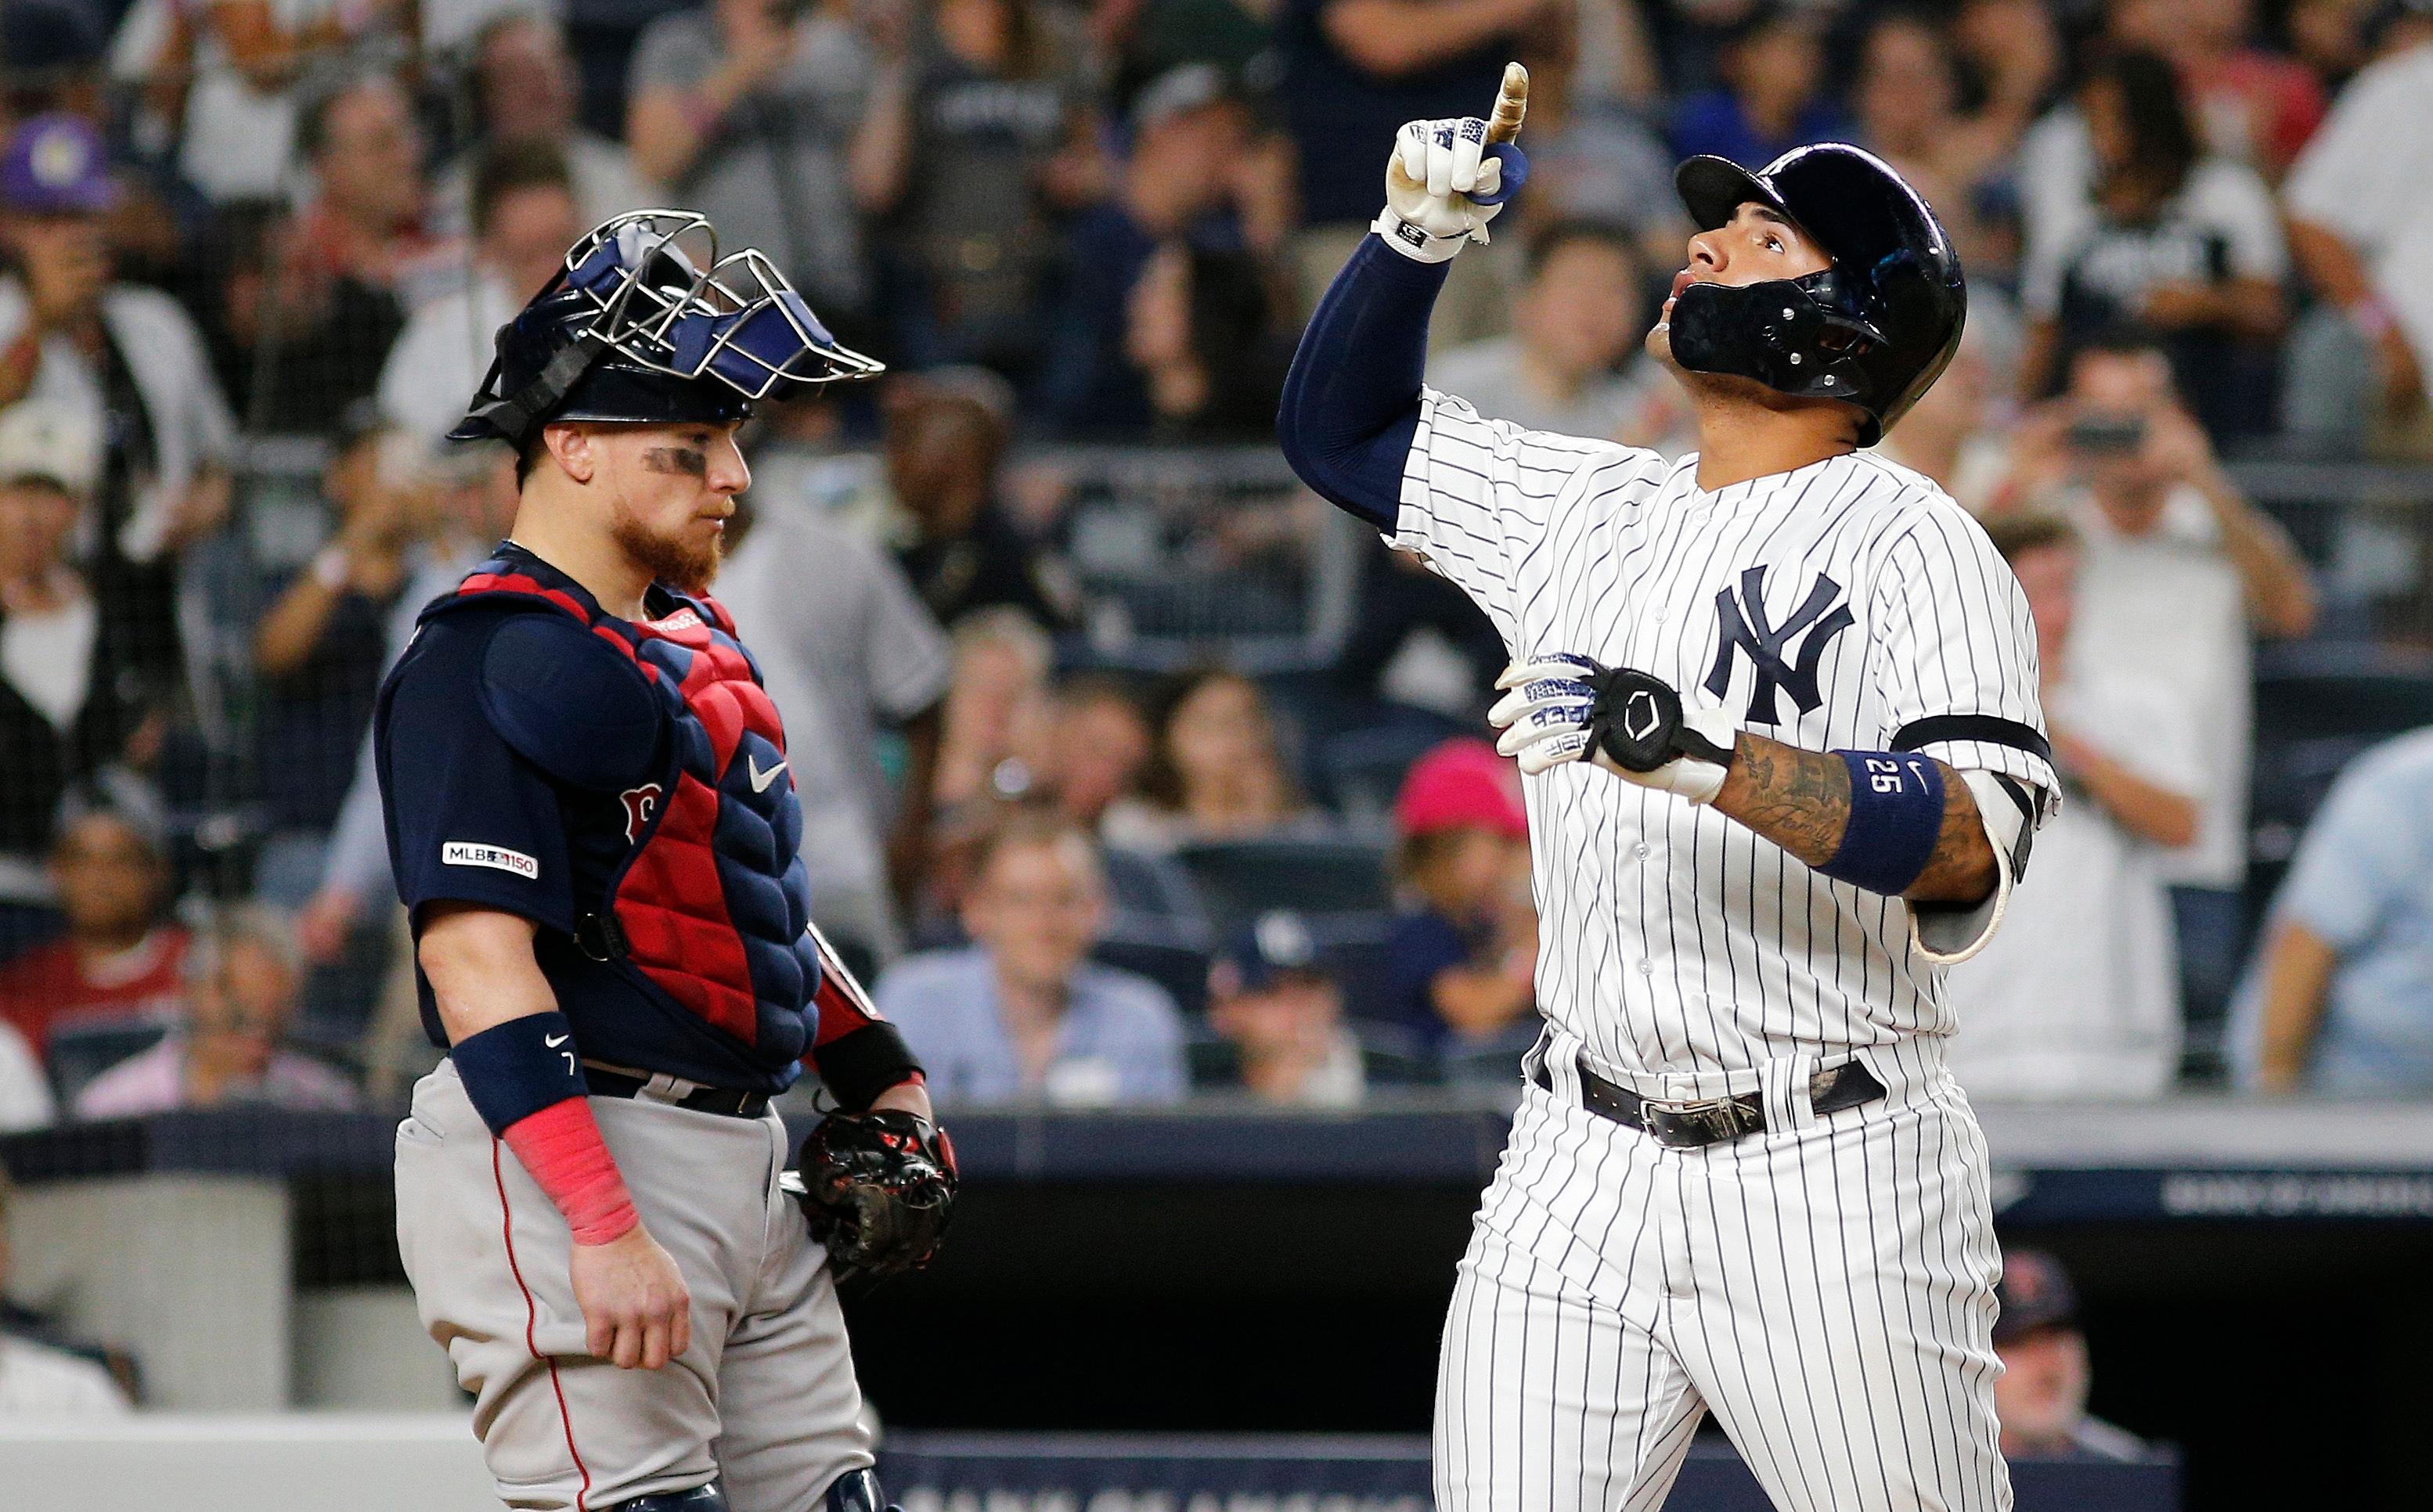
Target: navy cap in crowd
(55, 165)
(2034, 1293)
(1275, 944)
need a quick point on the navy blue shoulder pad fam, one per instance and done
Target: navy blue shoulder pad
(570, 703)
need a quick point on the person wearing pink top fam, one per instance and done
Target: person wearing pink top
(242, 981)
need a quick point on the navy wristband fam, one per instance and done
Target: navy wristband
(513, 1070)
(1896, 817)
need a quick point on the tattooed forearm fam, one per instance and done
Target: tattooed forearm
(691, 462)
(1962, 868)
(1800, 800)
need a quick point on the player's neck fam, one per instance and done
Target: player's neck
(586, 553)
(1739, 440)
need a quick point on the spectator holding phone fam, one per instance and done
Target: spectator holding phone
(2181, 574)
(320, 648)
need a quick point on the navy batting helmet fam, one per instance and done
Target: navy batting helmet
(647, 322)
(1875, 328)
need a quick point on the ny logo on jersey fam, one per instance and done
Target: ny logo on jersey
(1741, 625)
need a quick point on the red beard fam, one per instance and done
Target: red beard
(672, 559)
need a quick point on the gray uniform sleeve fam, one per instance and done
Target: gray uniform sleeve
(903, 650)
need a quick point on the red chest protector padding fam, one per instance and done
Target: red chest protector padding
(711, 903)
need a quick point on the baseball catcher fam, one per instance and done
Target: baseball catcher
(593, 825)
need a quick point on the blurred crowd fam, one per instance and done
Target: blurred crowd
(1129, 771)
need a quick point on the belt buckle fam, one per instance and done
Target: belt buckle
(1706, 1120)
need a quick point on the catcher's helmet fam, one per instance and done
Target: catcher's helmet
(647, 322)
(1876, 328)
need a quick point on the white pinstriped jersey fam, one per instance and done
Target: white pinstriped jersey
(1833, 607)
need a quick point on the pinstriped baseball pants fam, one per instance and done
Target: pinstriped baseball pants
(1826, 1289)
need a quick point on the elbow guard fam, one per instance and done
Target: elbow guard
(1896, 818)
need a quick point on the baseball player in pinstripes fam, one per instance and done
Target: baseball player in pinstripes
(1776, 706)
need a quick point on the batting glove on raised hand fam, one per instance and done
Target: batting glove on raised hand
(1444, 184)
(1563, 708)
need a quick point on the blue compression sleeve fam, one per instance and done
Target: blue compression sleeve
(1351, 401)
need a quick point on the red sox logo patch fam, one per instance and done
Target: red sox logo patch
(640, 804)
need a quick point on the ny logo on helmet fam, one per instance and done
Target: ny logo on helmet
(1743, 626)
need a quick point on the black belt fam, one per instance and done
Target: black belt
(727, 1100)
(1690, 1124)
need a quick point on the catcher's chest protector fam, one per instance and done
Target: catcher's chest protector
(710, 902)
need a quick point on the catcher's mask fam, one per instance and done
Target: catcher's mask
(647, 322)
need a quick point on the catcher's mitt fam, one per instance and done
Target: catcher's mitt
(877, 1188)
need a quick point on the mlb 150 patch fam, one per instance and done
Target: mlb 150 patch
(498, 857)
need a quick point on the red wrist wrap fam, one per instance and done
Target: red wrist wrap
(562, 1148)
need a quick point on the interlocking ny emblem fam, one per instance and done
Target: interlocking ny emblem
(1742, 624)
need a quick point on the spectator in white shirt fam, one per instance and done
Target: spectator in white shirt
(126, 358)
(2362, 227)
(2077, 995)
(2165, 238)
(1571, 365)
(524, 217)
(2181, 574)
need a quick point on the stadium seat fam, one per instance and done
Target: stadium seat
(1392, 1057)
(1240, 879)
(1181, 969)
(80, 1052)
(1361, 769)
(2342, 688)
(1491, 1062)
(1152, 888)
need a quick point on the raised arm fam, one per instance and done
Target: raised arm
(1351, 409)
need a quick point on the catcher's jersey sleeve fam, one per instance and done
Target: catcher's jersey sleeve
(1478, 496)
(470, 818)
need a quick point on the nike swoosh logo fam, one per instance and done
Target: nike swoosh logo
(760, 779)
(553, 1041)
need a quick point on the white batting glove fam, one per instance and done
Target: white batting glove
(1563, 708)
(1444, 184)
